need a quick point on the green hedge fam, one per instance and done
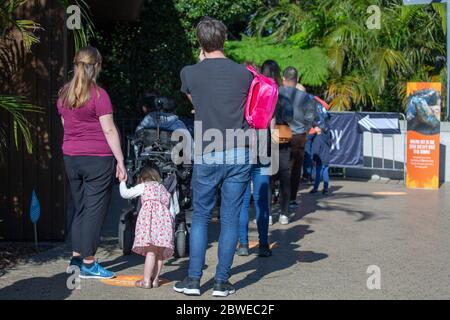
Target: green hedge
(150, 53)
(144, 55)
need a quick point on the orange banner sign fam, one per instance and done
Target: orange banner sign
(423, 112)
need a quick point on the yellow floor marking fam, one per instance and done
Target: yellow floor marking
(129, 280)
(386, 193)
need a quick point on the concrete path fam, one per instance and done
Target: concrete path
(323, 254)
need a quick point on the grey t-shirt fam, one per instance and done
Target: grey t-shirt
(218, 88)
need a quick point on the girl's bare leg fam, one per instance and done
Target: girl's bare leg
(158, 267)
(155, 270)
(150, 260)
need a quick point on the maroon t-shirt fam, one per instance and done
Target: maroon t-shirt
(83, 134)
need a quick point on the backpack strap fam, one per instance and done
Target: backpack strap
(252, 70)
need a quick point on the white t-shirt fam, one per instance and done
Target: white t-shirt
(138, 190)
(131, 193)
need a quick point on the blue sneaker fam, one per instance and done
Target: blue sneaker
(96, 272)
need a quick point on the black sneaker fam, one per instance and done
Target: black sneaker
(313, 191)
(325, 192)
(76, 262)
(188, 286)
(223, 289)
(264, 251)
(242, 250)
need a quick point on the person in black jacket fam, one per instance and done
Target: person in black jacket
(283, 115)
(304, 115)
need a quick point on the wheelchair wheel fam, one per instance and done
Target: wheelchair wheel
(181, 240)
(126, 233)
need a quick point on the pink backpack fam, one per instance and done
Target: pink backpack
(261, 100)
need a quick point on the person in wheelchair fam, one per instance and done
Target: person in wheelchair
(153, 106)
(161, 120)
(153, 145)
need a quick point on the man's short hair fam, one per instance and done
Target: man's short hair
(290, 74)
(211, 34)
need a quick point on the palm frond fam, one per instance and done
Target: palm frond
(83, 35)
(356, 89)
(17, 107)
(279, 21)
(384, 61)
(27, 28)
(336, 55)
(441, 11)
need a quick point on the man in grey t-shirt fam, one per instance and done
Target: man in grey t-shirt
(217, 88)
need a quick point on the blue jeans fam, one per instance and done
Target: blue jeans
(261, 196)
(232, 180)
(322, 173)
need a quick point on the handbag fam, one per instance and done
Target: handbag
(281, 134)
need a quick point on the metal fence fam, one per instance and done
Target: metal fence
(390, 154)
(383, 153)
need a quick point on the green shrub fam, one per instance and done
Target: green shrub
(312, 64)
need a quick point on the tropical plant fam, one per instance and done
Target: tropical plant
(17, 106)
(234, 13)
(278, 21)
(27, 28)
(83, 35)
(10, 104)
(311, 62)
(366, 69)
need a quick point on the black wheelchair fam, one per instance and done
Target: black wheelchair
(154, 147)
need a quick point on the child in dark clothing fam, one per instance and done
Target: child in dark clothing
(321, 148)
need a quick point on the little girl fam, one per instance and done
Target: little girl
(154, 235)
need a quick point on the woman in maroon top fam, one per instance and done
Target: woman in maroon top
(92, 155)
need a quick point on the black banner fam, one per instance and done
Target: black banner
(347, 148)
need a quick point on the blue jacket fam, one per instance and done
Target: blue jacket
(168, 122)
(321, 147)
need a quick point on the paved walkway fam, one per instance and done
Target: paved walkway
(323, 254)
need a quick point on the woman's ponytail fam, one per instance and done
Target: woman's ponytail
(87, 65)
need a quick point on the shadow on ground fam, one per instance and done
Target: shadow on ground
(285, 255)
(247, 271)
(38, 288)
(311, 203)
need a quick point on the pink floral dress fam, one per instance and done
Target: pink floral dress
(155, 224)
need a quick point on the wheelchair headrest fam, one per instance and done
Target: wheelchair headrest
(149, 136)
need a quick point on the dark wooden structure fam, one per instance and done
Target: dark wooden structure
(38, 76)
